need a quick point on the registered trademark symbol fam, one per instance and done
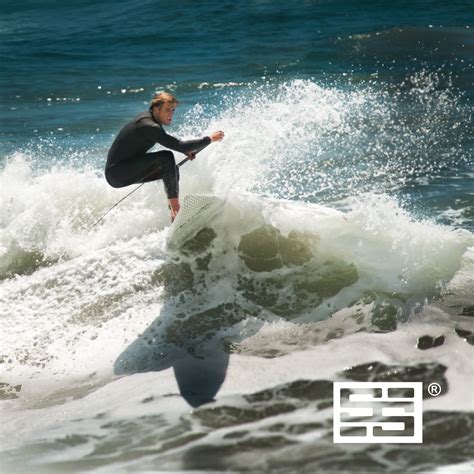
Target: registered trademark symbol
(434, 389)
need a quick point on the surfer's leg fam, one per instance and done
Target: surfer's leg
(133, 171)
(169, 173)
(167, 170)
(150, 167)
(173, 206)
(143, 169)
(173, 202)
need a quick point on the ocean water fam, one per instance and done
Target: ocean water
(344, 251)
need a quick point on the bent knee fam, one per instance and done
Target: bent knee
(168, 156)
(112, 180)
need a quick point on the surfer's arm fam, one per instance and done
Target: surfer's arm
(183, 146)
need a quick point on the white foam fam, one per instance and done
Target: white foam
(72, 307)
(53, 213)
(121, 398)
(465, 467)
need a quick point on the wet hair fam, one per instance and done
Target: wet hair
(163, 98)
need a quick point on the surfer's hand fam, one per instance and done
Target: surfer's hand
(191, 156)
(217, 136)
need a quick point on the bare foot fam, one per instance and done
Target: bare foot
(173, 205)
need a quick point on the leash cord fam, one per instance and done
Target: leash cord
(131, 192)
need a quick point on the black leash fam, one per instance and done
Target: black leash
(131, 192)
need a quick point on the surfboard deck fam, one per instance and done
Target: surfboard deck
(196, 211)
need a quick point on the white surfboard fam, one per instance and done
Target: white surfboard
(196, 211)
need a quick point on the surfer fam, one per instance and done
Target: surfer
(128, 161)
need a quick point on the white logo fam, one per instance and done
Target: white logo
(378, 412)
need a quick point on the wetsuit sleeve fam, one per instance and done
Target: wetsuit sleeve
(158, 135)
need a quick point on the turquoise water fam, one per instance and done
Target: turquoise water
(114, 347)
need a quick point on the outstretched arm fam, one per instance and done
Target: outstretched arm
(183, 146)
(158, 135)
(216, 136)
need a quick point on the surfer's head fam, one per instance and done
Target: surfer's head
(163, 106)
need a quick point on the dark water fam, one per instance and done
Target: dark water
(67, 50)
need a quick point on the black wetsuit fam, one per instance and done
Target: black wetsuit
(128, 161)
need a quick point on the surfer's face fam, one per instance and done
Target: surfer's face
(165, 114)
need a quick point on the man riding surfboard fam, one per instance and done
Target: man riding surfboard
(128, 161)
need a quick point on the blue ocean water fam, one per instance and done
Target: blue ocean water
(364, 107)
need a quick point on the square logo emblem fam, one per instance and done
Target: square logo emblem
(378, 412)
